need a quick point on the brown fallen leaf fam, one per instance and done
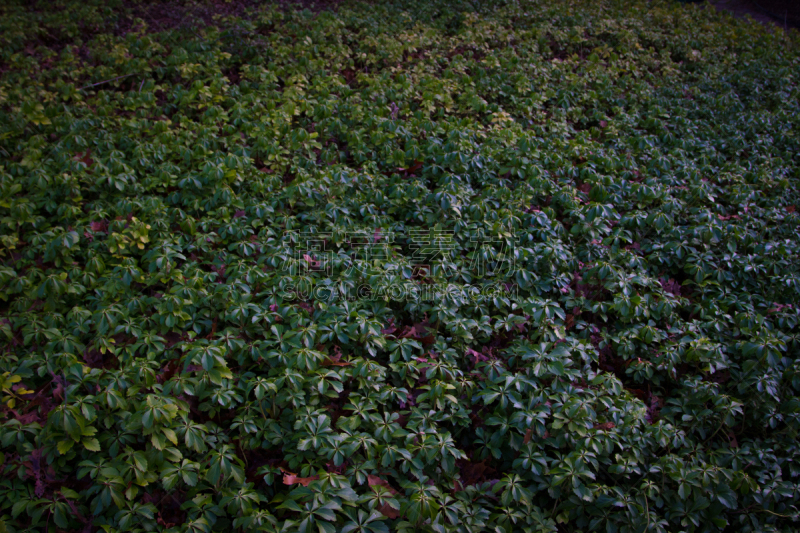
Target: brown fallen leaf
(375, 481)
(335, 360)
(528, 435)
(474, 473)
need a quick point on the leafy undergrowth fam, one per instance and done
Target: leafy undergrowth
(525, 266)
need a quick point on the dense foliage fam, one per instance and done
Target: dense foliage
(607, 338)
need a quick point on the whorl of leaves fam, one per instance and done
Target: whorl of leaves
(638, 372)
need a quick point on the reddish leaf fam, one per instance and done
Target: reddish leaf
(27, 418)
(58, 390)
(479, 357)
(778, 307)
(85, 158)
(409, 171)
(349, 75)
(313, 263)
(671, 286)
(292, 479)
(420, 332)
(415, 166)
(653, 409)
(388, 511)
(99, 226)
(390, 328)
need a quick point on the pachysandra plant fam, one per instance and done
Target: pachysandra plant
(400, 266)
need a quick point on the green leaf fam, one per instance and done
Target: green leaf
(90, 444)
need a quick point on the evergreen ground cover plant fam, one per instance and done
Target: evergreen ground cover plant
(214, 312)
